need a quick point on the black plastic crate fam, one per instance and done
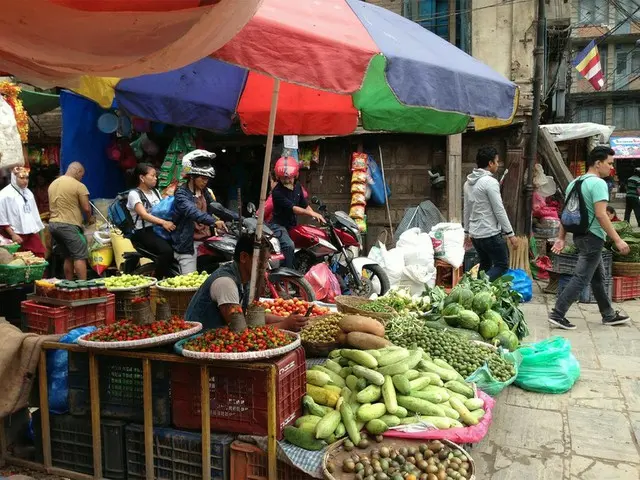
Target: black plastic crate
(586, 296)
(471, 259)
(72, 444)
(177, 455)
(565, 263)
(121, 388)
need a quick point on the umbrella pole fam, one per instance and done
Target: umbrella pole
(263, 189)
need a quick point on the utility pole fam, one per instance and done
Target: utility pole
(532, 151)
(454, 147)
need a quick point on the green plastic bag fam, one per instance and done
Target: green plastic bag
(548, 366)
(486, 382)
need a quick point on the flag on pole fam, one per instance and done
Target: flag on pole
(587, 62)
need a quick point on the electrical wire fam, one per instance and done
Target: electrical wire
(469, 10)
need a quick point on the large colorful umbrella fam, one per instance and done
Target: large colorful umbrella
(364, 61)
(55, 42)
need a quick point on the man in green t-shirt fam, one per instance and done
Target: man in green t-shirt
(633, 204)
(589, 269)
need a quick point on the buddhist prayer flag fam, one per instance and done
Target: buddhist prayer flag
(588, 65)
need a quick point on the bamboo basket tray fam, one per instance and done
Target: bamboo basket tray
(626, 269)
(319, 350)
(336, 454)
(348, 304)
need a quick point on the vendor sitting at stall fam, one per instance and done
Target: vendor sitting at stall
(19, 216)
(226, 293)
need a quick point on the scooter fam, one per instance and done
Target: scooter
(279, 282)
(334, 243)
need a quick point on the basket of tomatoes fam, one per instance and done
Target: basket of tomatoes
(284, 308)
(252, 343)
(126, 334)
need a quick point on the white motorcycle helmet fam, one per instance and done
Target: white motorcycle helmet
(198, 163)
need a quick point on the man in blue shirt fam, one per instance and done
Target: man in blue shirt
(589, 269)
(288, 203)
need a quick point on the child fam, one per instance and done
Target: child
(611, 212)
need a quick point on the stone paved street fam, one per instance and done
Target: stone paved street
(589, 433)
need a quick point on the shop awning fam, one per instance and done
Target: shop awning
(625, 147)
(37, 103)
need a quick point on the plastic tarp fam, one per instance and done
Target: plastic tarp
(55, 42)
(561, 132)
(83, 142)
(37, 103)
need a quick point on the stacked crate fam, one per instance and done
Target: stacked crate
(565, 265)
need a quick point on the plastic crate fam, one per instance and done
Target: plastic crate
(239, 396)
(586, 296)
(176, 454)
(248, 462)
(15, 274)
(565, 263)
(626, 288)
(46, 319)
(120, 381)
(72, 444)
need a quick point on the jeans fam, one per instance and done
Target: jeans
(632, 204)
(589, 270)
(188, 262)
(493, 254)
(148, 240)
(287, 247)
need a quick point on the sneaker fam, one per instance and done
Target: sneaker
(562, 323)
(619, 319)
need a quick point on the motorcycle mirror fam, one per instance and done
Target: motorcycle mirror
(315, 200)
(251, 208)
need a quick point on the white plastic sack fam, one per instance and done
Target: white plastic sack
(375, 253)
(417, 247)
(393, 264)
(11, 154)
(448, 243)
(416, 277)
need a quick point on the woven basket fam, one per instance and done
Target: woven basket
(141, 313)
(163, 312)
(177, 299)
(124, 310)
(347, 304)
(336, 454)
(319, 350)
(15, 274)
(626, 269)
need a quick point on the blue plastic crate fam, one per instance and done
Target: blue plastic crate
(120, 381)
(586, 296)
(177, 454)
(72, 444)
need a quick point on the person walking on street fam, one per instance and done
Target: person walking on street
(69, 201)
(593, 194)
(485, 218)
(632, 200)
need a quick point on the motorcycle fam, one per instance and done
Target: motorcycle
(279, 282)
(333, 243)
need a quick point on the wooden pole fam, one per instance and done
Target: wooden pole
(44, 409)
(272, 425)
(148, 418)
(454, 147)
(263, 189)
(205, 407)
(94, 388)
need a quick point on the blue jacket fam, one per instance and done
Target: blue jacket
(184, 216)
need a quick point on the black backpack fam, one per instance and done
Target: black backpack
(575, 216)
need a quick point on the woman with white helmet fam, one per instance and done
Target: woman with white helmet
(191, 203)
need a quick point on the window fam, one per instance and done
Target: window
(626, 115)
(627, 66)
(590, 112)
(624, 9)
(593, 12)
(434, 16)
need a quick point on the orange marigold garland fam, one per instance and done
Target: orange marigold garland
(10, 92)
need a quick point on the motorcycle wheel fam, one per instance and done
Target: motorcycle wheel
(371, 272)
(292, 288)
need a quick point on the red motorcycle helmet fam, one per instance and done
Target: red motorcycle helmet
(287, 168)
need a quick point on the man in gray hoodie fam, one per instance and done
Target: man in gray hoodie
(485, 219)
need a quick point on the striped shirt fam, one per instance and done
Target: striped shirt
(632, 186)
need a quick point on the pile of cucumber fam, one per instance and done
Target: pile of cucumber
(379, 389)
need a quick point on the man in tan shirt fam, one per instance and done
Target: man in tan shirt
(68, 201)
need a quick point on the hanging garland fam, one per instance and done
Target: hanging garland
(10, 92)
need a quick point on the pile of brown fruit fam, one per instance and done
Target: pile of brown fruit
(429, 461)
